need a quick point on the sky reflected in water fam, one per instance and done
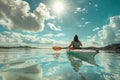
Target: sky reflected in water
(46, 64)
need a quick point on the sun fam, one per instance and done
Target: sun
(58, 7)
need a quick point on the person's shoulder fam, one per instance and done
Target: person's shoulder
(72, 42)
(79, 41)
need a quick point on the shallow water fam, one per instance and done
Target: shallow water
(46, 64)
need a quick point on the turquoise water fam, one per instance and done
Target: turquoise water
(46, 64)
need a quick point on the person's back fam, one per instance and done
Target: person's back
(75, 43)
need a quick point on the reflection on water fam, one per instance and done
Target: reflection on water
(46, 64)
(76, 64)
(76, 59)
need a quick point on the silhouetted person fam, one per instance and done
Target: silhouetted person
(76, 43)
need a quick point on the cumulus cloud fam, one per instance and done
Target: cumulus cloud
(53, 42)
(110, 33)
(16, 39)
(53, 27)
(47, 40)
(92, 41)
(90, 3)
(96, 5)
(48, 35)
(15, 14)
(59, 34)
(87, 23)
(83, 19)
(95, 29)
(13, 37)
(54, 35)
(80, 10)
(81, 26)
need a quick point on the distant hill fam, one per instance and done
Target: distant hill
(108, 47)
(111, 47)
(4, 47)
(91, 48)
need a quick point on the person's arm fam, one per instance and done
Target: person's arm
(80, 43)
(70, 44)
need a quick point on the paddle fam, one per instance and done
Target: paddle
(57, 48)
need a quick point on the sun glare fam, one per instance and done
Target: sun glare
(58, 7)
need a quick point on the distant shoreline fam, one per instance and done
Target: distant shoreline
(108, 47)
(17, 47)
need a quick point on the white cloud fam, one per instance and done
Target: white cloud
(9, 37)
(53, 41)
(80, 10)
(83, 19)
(15, 14)
(87, 23)
(54, 35)
(96, 5)
(53, 27)
(92, 41)
(81, 26)
(48, 35)
(90, 3)
(88, 36)
(17, 39)
(110, 33)
(47, 40)
(95, 29)
(59, 34)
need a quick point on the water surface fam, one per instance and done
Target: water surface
(46, 64)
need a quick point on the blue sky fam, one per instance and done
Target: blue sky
(55, 22)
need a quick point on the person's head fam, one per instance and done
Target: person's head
(76, 38)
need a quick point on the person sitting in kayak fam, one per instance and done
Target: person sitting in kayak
(76, 43)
